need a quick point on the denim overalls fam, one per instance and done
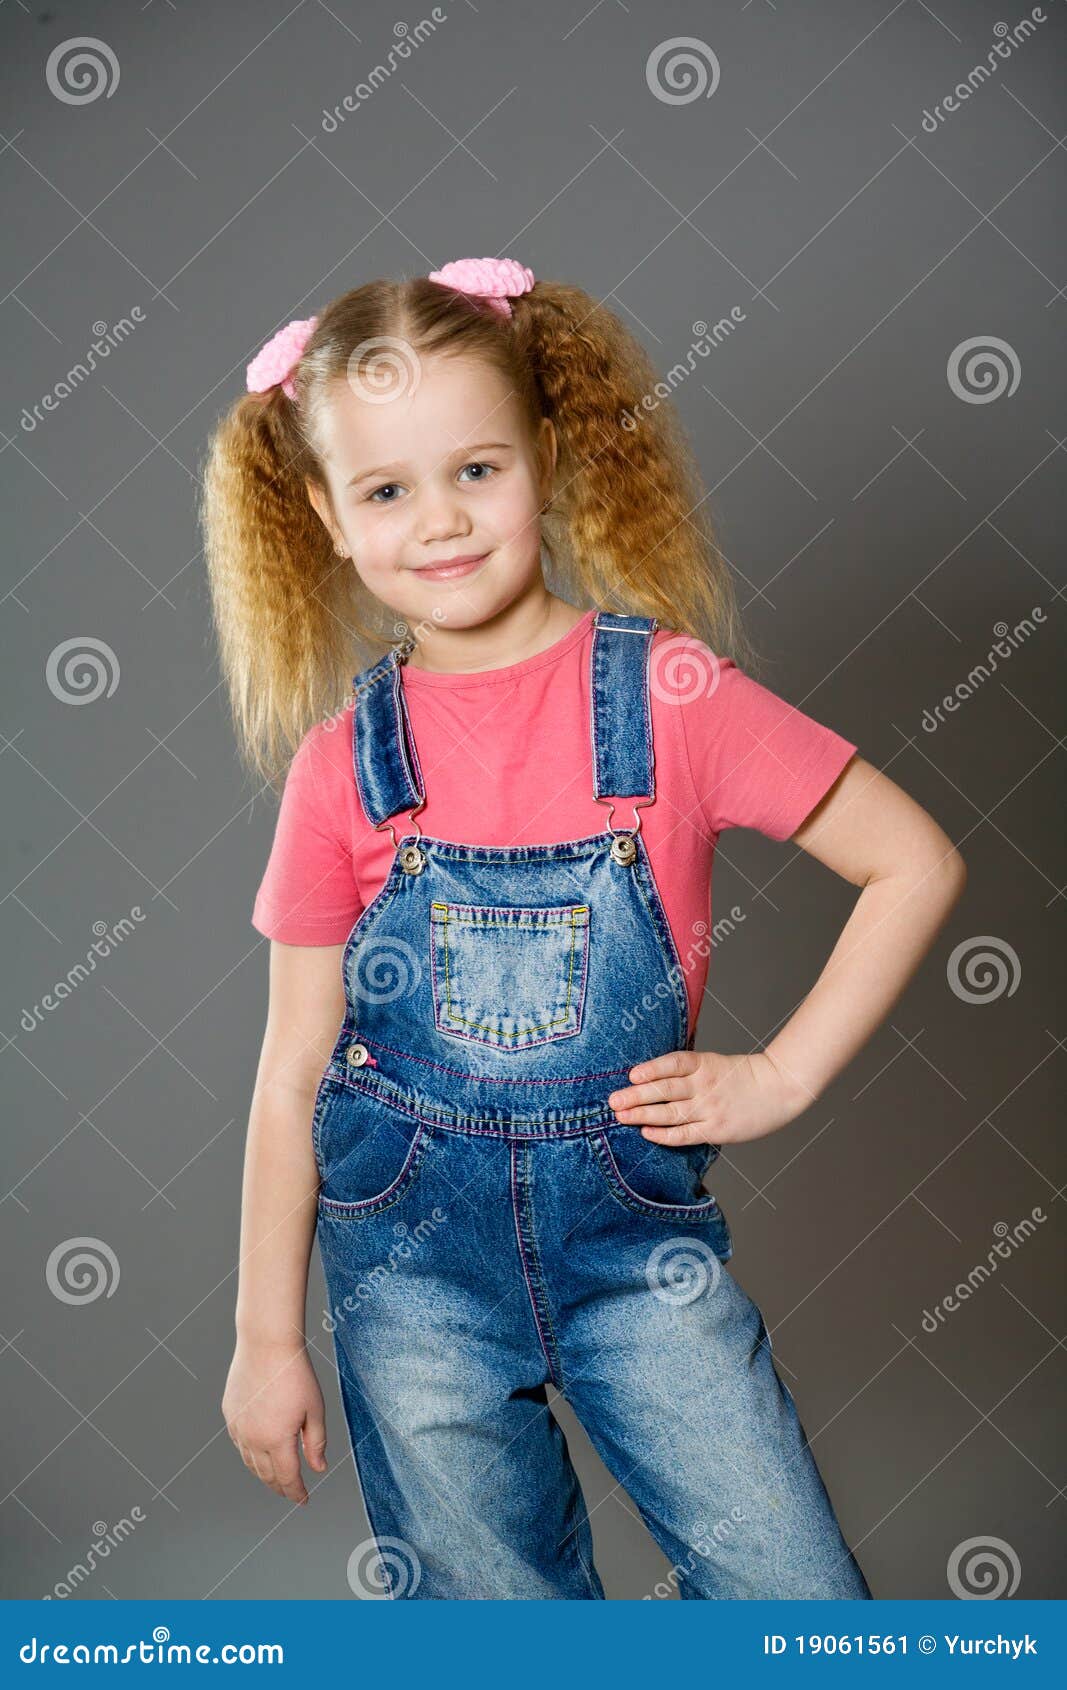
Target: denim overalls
(487, 1227)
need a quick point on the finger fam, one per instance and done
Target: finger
(666, 1067)
(259, 1462)
(314, 1435)
(656, 1115)
(652, 1091)
(690, 1132)
(288, 1478)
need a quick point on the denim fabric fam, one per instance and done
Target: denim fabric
(488, 1228)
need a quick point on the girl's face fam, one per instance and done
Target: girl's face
(443, 473)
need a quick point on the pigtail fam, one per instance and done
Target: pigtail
(285, 606)
(628, 495)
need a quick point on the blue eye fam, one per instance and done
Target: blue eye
(372, 498)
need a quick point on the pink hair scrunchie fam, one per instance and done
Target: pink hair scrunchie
(276, 362)
(491, 279)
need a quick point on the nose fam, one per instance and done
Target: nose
(440, 514)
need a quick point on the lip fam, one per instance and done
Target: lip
(454, 569)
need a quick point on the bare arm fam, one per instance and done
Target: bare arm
(869, 831)
(272, 1397)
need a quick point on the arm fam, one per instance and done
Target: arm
(870, 832)
(272, 1397)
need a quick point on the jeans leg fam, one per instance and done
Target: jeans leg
(465, 1474)
(673, 1379)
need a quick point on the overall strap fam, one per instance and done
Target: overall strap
(620, 722)
(388, 776)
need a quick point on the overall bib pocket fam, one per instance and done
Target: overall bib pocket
(368, 1154)
(508, 977)
(662, 1181)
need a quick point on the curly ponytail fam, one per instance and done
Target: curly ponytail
(628, 527)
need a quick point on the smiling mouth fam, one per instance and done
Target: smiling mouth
(452, 570)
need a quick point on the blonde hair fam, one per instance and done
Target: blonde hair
(628, 528)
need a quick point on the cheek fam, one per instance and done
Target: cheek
(514, 512)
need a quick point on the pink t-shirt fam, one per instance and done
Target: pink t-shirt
(506, 760)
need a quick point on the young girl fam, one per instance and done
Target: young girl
(488, 906)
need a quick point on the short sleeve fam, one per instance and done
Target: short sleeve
(308, 894)
(756, 760)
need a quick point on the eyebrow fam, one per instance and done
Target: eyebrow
(461, 452)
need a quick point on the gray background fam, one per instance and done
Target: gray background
(880, 526)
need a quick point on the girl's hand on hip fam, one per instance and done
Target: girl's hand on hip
(700, 1097)
(272, 1404)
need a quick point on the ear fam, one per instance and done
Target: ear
(547, 446)
(321, 504)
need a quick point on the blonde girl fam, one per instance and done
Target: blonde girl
(488, 902)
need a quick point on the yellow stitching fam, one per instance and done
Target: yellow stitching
(470, 921)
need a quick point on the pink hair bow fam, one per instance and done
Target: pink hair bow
(491, 279)
(277, 360)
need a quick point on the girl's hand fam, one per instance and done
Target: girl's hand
(272, 1402)
(700, 1097)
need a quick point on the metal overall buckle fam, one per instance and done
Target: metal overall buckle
(412, 857)
(624, 839)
